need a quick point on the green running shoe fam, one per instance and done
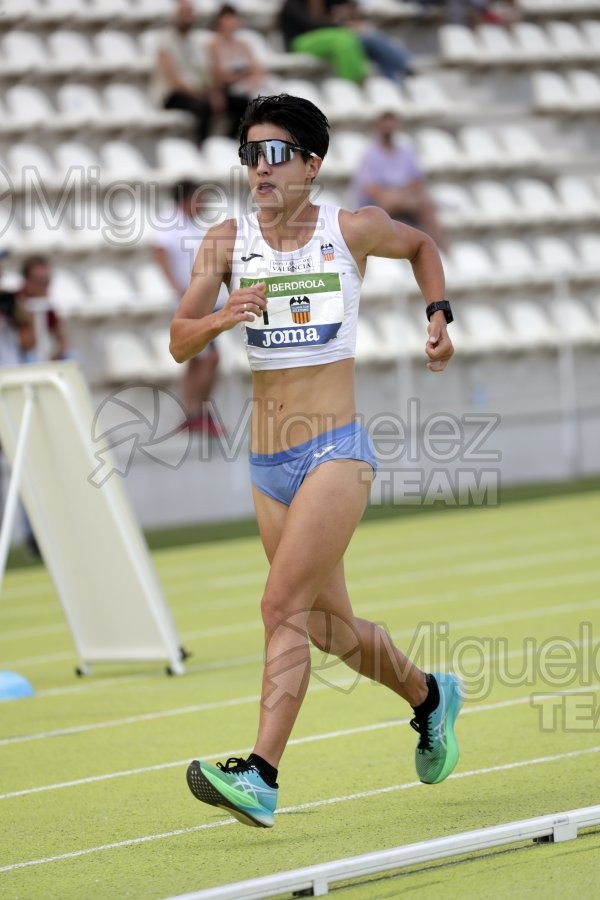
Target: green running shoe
(437, 751)
(236, 787)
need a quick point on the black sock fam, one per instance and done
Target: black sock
(431, 700)
(267, 772)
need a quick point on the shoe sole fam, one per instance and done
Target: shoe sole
(452, 753)
(205, 791)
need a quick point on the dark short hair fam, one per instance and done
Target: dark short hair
(226, 10)
(185, 189)
(306, 124)
(30, 262)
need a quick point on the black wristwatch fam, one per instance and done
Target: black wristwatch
(442, 305)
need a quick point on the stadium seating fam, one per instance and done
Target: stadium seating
(504, 120)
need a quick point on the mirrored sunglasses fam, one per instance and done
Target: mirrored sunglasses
(274, 152)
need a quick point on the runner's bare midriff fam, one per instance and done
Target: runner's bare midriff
(294, 405)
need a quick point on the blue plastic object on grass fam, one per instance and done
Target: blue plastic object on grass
(13, 686)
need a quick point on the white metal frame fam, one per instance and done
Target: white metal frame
(315, 880)
(26, 379)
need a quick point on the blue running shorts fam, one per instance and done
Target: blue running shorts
(279, 475)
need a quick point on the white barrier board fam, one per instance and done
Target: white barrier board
(89, 539)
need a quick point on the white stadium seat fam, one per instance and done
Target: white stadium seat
(346, 151)
(588, 248)
(520, 145)
(27, 107)
(399, 337)
(425, 97)
(555, 255)
(552, 93)
(232, 354)
(301, 87)
(569, 41)
(79, 105)
(515, 260)
(384, 278)
(67, 291)
(368, 345)
(128, 357)
(70, 51)
(496, 204)
(459, 45)
(22, 52)
(454, 204)
(485, 328)
(129, 105)
(103, 10)
(19, 11)
(11, 236)
(586, 90)
(574, 321)
(35, 158)
(150, 9)
(469, 263)
(533, 44)
(110, 289)
(272, 60)
(152, 290)
(343, 100)
(220, 155)
(178, 158)
(118, 51)
(590, 29)
(578, 197)
(76, 154)
(165, 366)
(538, 201)
(530, 325)
(497, 44)
(382, 95)
(54, 11)
(439, 151)
(122, 161)
(46, 232)
(481, 148)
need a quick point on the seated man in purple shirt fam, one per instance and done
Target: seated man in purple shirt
(390, 176)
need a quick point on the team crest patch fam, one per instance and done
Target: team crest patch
(327, 252)
(300, 309)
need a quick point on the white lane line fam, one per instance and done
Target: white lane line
(38, 631)
(175, 569)
(329, 801)
(361, 608)
(294, 742)
(398, 603)
(129, 720)
(499, 564)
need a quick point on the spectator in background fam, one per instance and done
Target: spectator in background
(17, 335)
(475, 12)
(391, 58)
(17, 341)
(50, 336)
(235, 70)
(182, 76)
(390, 176)
(307, 28)
(174, 251)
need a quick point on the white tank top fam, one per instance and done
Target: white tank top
(313, 295)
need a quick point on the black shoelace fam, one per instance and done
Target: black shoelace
(421, 725)
(235, 764)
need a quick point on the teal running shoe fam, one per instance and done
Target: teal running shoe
(437, 751)
(236, 787)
